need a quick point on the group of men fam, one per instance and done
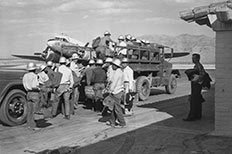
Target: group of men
(107, 47)
(59, 86)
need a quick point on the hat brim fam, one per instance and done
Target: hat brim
(74, 58)
(116, 65)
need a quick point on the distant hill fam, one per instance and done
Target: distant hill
(185, 42)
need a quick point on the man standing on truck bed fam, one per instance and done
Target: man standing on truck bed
(31, 84)
(103, 49)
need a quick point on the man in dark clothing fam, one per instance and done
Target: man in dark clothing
(89, 72)
(98, 80)
(196, 98)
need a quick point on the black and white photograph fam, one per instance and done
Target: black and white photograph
(115, 76)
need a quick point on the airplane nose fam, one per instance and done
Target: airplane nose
(51, 43)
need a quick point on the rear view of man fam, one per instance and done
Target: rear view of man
(98, 80)
(66, 84)
(31, 84)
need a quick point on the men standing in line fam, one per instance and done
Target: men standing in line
(196, 98)
(66, 85)
(31, 84)
(98, 80)
(128, 79)
(116, 89)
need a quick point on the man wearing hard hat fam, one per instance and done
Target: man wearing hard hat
(117, 90)
(98, 81)
(89, 72)
(65, 88)
(76, 77)
(31, 84)
(129, 86)
(121, 50)
(103, 49)
(108, 69)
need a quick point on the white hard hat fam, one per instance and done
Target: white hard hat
(31, 66)
(120, 37)
(62, 60)
(91, 61)
(75, 56)
(138, 41)
(99, 61)
(49, 63)
(147, 42)
(108, 60)
(128, 36)
(107, 33)
(42, 67)
(133, 38)
(117, 62)
(125, 60)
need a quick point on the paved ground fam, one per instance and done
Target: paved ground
(167, 136)
(156, 127)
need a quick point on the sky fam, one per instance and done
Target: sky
(26, 25)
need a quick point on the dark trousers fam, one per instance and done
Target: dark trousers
(117, 113)
(62, 92)
(98, 98)
(196, 100)
(74, 99)
(33, 99)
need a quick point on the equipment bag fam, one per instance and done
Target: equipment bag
(76, 79)
(57, 78)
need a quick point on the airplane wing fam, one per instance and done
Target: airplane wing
(30, 57)
(176, 54)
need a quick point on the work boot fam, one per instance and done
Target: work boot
(67, 117)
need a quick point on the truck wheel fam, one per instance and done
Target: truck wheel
(13, 109)
(172, 85)
(143, 88)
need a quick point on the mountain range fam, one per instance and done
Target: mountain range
(202, 44)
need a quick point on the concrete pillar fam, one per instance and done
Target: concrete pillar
(223, 87)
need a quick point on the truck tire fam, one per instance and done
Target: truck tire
(143, 88)
(13, 110)
(172, 85)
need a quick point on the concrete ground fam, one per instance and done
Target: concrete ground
(155, 128)
(171, 135)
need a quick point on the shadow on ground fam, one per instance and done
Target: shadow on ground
(170, 136)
